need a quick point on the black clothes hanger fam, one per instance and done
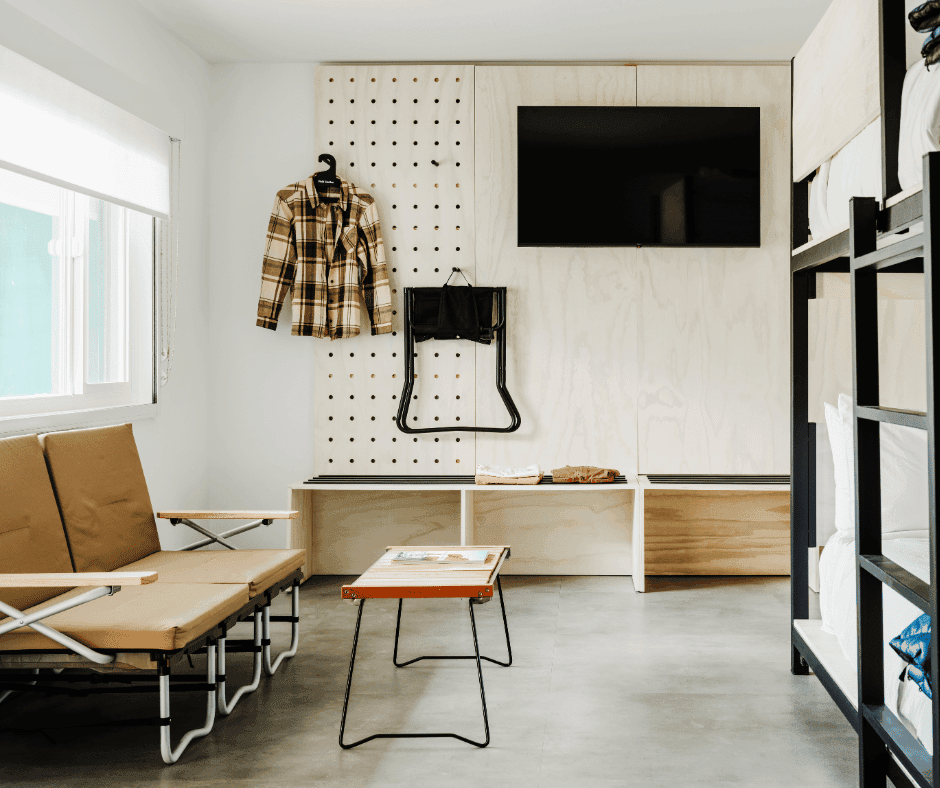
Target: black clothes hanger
(328, 178)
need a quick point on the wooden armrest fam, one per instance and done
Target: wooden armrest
(73, 579)
(216, 514)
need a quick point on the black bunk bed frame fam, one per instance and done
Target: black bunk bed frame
(855, 251)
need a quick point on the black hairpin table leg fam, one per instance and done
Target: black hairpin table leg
(502, 604)
(476, 649)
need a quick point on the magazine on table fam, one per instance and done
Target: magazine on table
(464, 557)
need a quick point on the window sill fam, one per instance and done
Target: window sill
(76, 419)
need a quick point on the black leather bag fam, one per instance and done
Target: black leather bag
(453, 312)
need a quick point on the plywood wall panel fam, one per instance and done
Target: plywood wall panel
(351, 529)
(717, 533)
(572, 312)
(836, 78)
(558, 533)
(713, 341)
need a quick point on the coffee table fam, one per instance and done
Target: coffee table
(385, 580)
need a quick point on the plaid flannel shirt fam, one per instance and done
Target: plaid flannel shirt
(328, 253)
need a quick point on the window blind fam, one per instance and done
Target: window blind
(56, 131)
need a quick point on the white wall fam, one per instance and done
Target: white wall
(261, 389)
(173, 446)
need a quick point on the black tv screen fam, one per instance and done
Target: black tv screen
(639, 176)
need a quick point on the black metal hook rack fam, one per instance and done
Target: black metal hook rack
(496, 333)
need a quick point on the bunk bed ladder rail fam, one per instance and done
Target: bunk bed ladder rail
(879, 729)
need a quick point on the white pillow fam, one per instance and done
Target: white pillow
(819, 224)
(903, 473)
(855, 171)
(840, 441)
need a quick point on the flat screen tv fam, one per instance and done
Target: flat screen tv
(639, 176)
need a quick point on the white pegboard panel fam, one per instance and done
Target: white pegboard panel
(385, 124)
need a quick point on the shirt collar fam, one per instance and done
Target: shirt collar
(314, 197)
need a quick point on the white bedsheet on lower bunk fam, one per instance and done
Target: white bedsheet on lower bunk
(837, 602)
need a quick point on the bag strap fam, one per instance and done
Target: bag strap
(457, 271)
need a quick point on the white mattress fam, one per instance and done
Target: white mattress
(837, 602)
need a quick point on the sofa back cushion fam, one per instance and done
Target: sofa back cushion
(102, 496)
(31, 534)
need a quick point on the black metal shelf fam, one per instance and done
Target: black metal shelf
(832, 254)
(891, 257)
(833, 251)
(914, 419)
(905, 746)
(908, 585)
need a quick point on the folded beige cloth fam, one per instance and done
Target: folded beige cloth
(583, 474)
(480, 479)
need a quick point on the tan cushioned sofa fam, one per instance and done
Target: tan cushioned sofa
(75, 514)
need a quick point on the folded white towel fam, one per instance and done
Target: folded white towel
(503, 472)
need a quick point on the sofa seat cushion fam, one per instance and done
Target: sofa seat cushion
(158, 617)
(257, 569)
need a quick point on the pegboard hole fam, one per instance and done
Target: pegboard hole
(373, 460)
(416, 79)
(331, 79)
(437, 101)
(373, 79)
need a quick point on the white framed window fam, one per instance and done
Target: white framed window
(84, 207)
(76, 300)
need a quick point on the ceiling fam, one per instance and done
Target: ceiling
(278, 31)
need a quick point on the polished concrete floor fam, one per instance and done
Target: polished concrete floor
(688, 685)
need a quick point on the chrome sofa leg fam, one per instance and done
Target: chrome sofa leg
(269, 668)
(225, 707)
(6, 694)
(171, 755)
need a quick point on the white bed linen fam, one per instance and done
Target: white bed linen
(920, 122)
(855, 171)
(837, 602)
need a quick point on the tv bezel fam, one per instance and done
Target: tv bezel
(589, 245)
